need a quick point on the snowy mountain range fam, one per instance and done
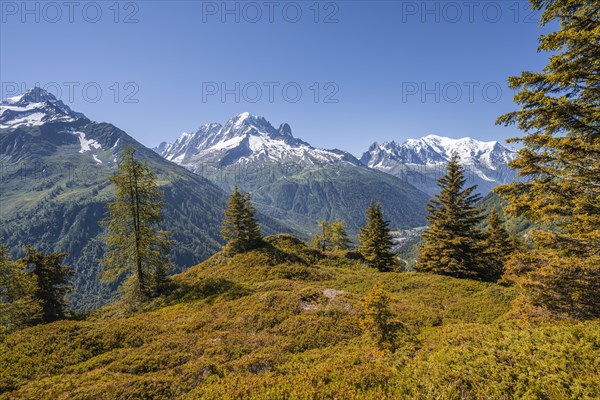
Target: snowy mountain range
(423, 160)
(290, 179)
(433, 150)
(250, 139)
(246, 139)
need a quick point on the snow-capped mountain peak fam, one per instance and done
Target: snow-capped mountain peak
(436, 150)
(33, 95)
(37, 123)
(245, 138)
(486, 163)
(33, 108)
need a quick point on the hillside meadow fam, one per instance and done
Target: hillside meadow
(283, 322)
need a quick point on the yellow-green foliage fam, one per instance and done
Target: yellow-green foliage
(559, 109)
(283, 322)
(377, 319)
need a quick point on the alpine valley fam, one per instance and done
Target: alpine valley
(55, 164)
(382, 244)
(299, 184)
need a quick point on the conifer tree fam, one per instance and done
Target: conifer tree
(321, 241)
(376, 241)
(333, 236)
(18, 305)
(498, 246)
(338, 236)
(52, 282)
(316, 241)
(240, 227)
(559, 115)
(517, 243)
(377, 319)
(135, 245)
(452, 241)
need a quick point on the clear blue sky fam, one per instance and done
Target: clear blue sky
(377, 55)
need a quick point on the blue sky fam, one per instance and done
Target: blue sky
(367, 71)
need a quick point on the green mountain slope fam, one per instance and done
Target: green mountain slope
(341, 191)
(283, 322)
(516, 225)
(290, 179)
(54, 187)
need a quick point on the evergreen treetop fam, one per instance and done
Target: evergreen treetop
(452, 241)
(376, 241)
(52, 282)
(19, 307)
(240, 228)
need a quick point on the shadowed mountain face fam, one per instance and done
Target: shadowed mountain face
(290, 179)
(422, 161)
(54, 169)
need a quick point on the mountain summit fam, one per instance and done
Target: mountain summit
(245, 139)
(35, 107)
(423, 160)
(434, 150)
(290, 179)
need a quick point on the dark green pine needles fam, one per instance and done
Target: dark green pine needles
(376, 241)
(453, 240)
(240, 228)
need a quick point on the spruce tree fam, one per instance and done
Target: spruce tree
(498, 246)
(253, 236)
(240, 227)
(135, 245)
(376, 241)
(560, 159)
(452, 241)
(52, 282)
(19, 306)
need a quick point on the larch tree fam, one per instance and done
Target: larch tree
(338, 236)
(322, 239)
(135, 244)
(377, 317)
(559, 115)
(240, 229)
(332, 236)
(452, 242)
(376, 241)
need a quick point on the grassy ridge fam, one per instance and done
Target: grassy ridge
(283, 322)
